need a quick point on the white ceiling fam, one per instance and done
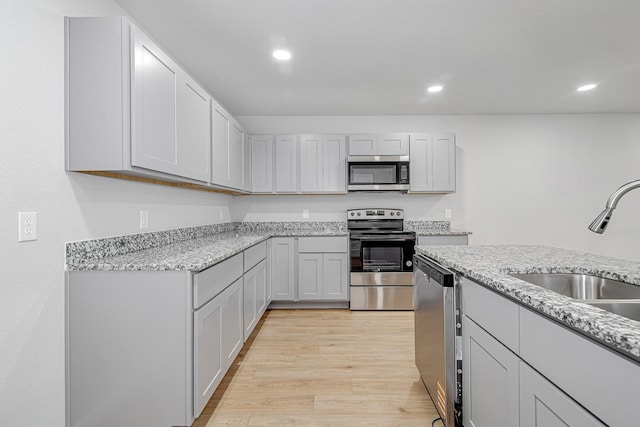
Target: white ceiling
(377, 57)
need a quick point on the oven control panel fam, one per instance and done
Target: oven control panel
(375, 214)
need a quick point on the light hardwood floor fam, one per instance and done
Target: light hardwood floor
(324, 368)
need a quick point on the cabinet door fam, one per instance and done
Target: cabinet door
(282, 269)
(247, 162)
(490, 380)
(249, 302)
(220, 168)
(236, 156)
(262, 163)
(421, 162)
(334, 164)
(363, 145)
(261, 288)
(207, 358)
(334, 276)
(311, 170)
(393, 144)
(444, 162)
(193, 129)
(232, 318)
(286, 164)
(268, 272)
(154, 136)
(544, 405)
(310, 276)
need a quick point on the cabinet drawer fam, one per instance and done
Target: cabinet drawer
(323, 244)
(214, 280)
(591, 374)
(254, 255)
(493, 312)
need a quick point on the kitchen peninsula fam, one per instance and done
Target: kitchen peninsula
(551, 356)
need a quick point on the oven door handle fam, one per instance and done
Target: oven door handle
(383, 239)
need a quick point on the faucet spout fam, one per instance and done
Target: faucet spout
(600, 223)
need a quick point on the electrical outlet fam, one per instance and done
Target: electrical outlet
(144, 219)
(221, 214)
(27, 226)
(305, 213)
(447, 213)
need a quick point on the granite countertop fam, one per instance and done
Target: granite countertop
(144, 253)
(490, 266)
(197, 248)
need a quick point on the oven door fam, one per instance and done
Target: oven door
(375, 254)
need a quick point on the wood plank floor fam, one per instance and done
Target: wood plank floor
(324, 368)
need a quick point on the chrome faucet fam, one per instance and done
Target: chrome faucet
(600, 223)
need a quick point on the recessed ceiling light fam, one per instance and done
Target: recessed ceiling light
(587, 87)
(434, 89)
(282, 55)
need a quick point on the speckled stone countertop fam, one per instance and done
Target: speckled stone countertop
(188, 249)
(197, 248)
(490, 265)
(433, 228)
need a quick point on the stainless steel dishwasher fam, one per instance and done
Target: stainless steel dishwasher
(438, 337)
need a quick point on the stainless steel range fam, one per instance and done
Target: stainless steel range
(381, 255)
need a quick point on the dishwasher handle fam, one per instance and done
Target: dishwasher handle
(434, 271)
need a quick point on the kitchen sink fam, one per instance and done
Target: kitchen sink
(625, 308)
(611, 295)
(582, 286)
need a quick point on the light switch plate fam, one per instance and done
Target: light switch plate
(27, 226)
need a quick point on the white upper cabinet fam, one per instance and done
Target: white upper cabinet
(220, 168)
(154, 105)
(363, 145)
(236, 156)
(194, 142)
(392, 144)
(334, 167)
(130, 108)
(261, 163)
(322, 164)
(311, 163)
(286, 164)
(228, 164)
(433, 163)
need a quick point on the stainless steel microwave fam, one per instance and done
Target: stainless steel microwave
(378, 173)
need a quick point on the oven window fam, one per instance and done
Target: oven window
(377, 258)
(373, 173)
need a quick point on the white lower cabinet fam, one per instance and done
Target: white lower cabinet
(323, 265)
(544, 405)
(282, 268)
(322, 276)
(149, 348)
(490, 380)
(501, 386)
(255, 296)
(217, 341)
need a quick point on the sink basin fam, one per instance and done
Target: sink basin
(625, 308)
(582, 286)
